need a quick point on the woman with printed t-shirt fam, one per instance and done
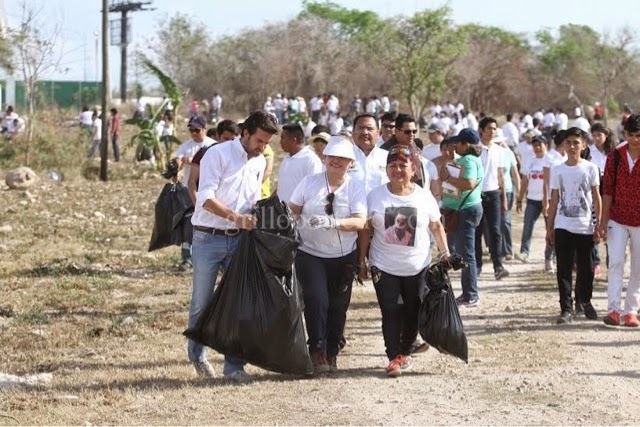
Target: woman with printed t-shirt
(401, 214)
(468, 203)
(331, 208)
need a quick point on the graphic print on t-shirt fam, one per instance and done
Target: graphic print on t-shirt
(400, 225)
(573, 197)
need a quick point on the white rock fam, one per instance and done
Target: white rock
(99, 215)
(21, 178)
(128, 321)
(8, 380)
(121, 211)
(6, 229)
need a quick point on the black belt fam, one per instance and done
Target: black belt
(217, 231)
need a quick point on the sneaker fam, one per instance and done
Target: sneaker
(564, 318)
(590, 312)
(597, 271)
(332, 361)
(240, 377)
(461, 302)
(579, 308)
(397, 365)
(612, 319)
(548, 267)
(418, 346)
(501, 274)
(186, 265)
(204, 369)
(320, 363)
(631, 320)
(508, 257)
(522, 257)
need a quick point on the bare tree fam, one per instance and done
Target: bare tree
(36, 53)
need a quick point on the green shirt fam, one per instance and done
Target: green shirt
(472, 169)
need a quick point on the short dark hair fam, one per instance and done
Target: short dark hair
(575, 131)
(509, 117)
(540, 138)
(485, 121)
(211, 133)
(114, 111)
(364, 116)
(228, 126)
(559, 137)
(389, 116)
(260, 119)
(295, 131)
(632, 124)
(319, 129)
(402, 119)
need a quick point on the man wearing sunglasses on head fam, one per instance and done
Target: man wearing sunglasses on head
(184, 155)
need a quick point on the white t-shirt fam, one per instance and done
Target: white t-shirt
(525, 151)
(549, 119)
(582, 123)
(350, 199)
(554, 158)
(574, 185)
(598, 157)
(562, 120)
(392, 251)
(97, 130)
(294, 168)
(533, 171)
(511, 134)
(431, 151)
(85, 118)
(491, 160)
(189, 149)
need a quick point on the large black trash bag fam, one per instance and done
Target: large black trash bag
(256, 312)
(173, 201)
(439, 320)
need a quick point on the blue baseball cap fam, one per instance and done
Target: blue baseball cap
(468, 135)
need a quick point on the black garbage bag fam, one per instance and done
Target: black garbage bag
(182, 224)
(257, 310)
(439, 320)
(173, 200)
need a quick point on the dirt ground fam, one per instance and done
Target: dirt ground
(81, 299)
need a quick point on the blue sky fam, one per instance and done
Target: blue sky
(80, 20)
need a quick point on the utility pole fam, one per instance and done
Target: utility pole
(124, 7)
(104, 143)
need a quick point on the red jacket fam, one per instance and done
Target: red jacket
(625, 208)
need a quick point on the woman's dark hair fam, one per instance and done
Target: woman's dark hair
(419, 143)
(609, 143)
(474, 149)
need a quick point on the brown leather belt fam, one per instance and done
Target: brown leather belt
(217, 231)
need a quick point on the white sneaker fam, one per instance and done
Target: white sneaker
(240, 377)
(548, 267)
(204, 369)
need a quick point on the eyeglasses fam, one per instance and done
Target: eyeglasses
(410, 131)
(398, 149)
(328, 209)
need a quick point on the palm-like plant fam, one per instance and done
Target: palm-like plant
(147, 137)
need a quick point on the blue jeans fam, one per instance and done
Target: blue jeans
(463, 242)
(210, 253)
(531, 214)
(491, 213)
(505, 224)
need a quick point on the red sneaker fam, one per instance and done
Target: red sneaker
(397, 365)
(320, 364)
(631, 320)
(612, 319)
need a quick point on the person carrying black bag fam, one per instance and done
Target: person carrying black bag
(331, 208)
(401, 213)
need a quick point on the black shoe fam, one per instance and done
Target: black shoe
(564, 318)
(579, 307)
(185, 266)
(501, 274)
(590, 312)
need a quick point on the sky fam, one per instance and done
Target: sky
(80, 21)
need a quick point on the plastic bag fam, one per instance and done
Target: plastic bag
(257, 310)
(173, 201)
(439, 320)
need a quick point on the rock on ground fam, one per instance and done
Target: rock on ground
(21, 178)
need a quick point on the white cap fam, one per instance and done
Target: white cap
(339, 146)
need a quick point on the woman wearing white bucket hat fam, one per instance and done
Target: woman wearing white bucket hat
(331, 209)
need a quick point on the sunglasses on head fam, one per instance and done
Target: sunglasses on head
(405, 151)
(328, 209)
(410, 131)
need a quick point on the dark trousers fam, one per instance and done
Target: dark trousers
(491, 216)
(506, 247)
(567, 246)
(326, 287)
(399, 299)
(115, 142)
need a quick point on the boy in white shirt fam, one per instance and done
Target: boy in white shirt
(571, 228)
